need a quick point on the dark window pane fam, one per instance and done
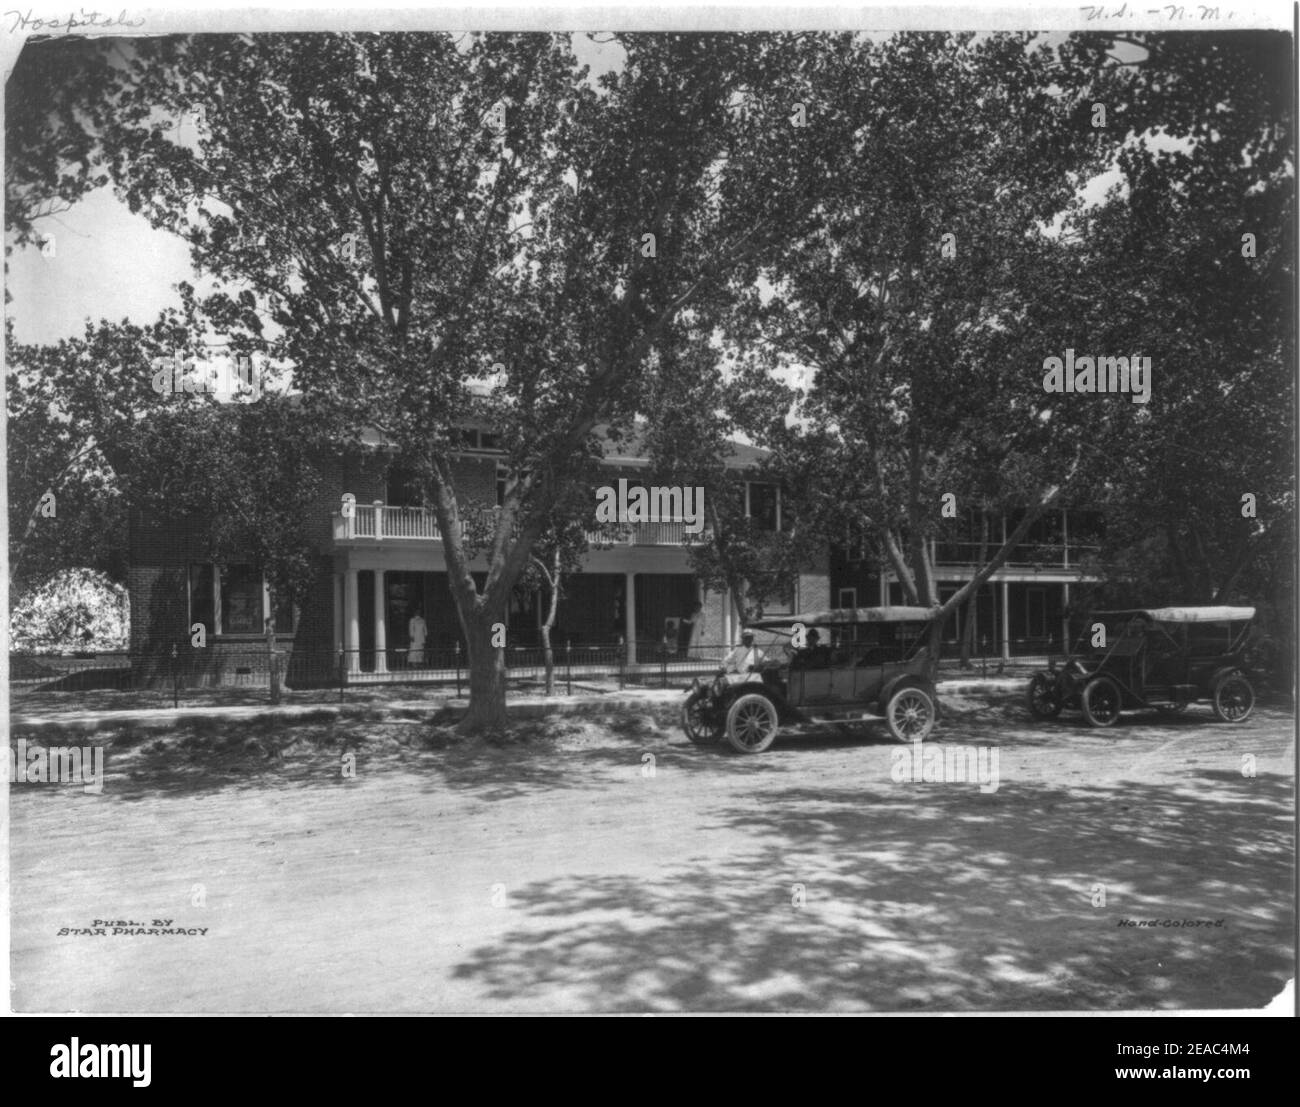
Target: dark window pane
(241, 600)
(201, 596)
(762, 505)
(402, 489)
(282, 612)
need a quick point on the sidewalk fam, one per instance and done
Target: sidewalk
(446, 706)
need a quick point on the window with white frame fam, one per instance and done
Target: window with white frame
(234, 598)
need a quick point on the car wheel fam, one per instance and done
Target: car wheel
(751, 723)
(697, 728)
(1234, 698)
(910, 714)
(1045, 700)
(1101, 701)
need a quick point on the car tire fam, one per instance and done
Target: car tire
(1101, 702)
(1044, 696)
(697, 730)
(910, 714)
(1234, 699)
(751, 723)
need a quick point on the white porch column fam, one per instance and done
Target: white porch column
(629, 616)
(351, 625)
(1006, 621)
(726, 618)
(338, 610)
(381, 631)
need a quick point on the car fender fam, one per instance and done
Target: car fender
(908, 680)
(1222, 673)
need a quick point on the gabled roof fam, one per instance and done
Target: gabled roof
(631, 449)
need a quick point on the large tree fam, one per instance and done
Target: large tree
(1200, 245)
(934, 280)
(73, 409)
(400, 215)
(57, 102)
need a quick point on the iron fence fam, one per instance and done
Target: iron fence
(255, 670)
(184, 672)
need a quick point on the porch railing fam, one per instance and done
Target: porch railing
(380, 522)
(1060, 554)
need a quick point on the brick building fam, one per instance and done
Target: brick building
(382, 560)
(1024, 608)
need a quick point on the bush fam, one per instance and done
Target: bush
(74, 609)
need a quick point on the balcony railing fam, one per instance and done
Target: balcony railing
(380, 523)
(1027, 554)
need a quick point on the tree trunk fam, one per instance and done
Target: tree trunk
(917, 540)
(552, 577)
(548, 658)
(478, 613)
(968, 623)
(487, 675)
(906, 581)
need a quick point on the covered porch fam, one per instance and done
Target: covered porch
(625, 610)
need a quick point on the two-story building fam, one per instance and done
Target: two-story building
(380, 561)
(1023, 609)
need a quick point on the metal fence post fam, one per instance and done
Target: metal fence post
(663, 663)
(568, 666)
(176, 676)
(622, 663)
(458, 668)
(343, 657)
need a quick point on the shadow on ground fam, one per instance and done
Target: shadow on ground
(931, 899)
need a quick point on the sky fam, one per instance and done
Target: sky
(108, 263)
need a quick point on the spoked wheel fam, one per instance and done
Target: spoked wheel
(1234, 698)
(697, 727)
(1101, 701)
(1044, 697)
(751, 723)
(910, 715)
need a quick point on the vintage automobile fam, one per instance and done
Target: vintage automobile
(1162, 658)
(870, 662)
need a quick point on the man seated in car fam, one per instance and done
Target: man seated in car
(745, 657)
(814, 655)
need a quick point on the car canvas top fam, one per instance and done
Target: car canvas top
(842, 616)
(1186, 614)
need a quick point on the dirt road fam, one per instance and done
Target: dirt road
(575, 873)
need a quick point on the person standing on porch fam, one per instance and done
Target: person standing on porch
(418, 631)
(693, 629)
